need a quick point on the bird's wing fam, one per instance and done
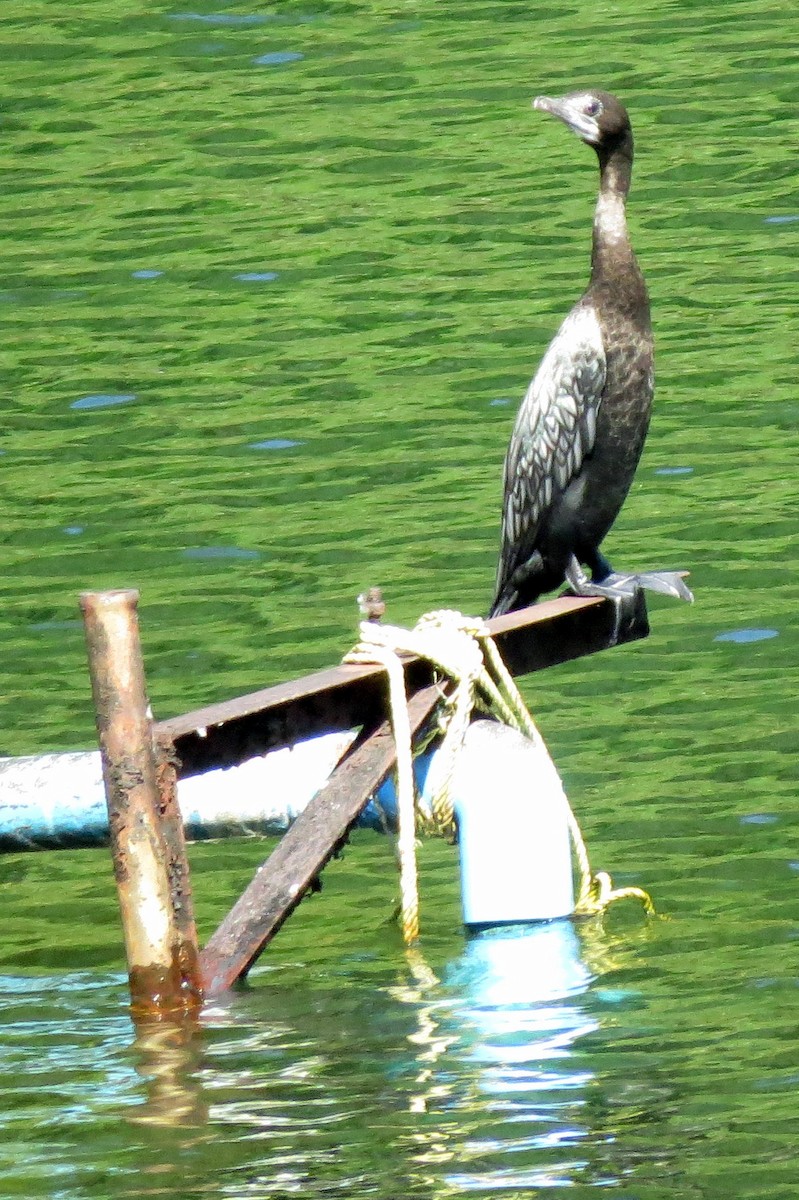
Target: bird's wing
(554, 432)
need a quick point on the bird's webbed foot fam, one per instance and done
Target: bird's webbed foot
(615, 585)
(668, 583)
(612, 587)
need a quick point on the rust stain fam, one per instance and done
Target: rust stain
(159, 992)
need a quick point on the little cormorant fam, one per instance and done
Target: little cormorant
(582, 424)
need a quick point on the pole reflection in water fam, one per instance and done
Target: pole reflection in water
(169, 1059)
(497, 1063)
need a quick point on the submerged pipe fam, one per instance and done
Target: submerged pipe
(161, 951)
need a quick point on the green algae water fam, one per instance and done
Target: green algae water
(272, 283)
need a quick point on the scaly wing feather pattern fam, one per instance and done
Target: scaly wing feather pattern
(554, 433)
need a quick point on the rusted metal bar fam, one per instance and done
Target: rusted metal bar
(150, 868)
(346, 696)
(177, 865)
(285, 877)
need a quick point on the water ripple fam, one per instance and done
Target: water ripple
(103, 400)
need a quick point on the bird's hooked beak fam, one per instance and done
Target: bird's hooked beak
(572, 111)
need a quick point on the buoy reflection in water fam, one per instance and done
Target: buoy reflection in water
(502, 1038)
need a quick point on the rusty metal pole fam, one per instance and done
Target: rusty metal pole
(171, 825)
(161, 950)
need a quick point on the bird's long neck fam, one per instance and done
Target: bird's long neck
(613, 264)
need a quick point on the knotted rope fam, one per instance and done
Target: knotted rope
(462, 652)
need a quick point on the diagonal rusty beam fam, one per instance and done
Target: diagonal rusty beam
(282, 881)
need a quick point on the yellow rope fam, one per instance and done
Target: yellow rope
(461, 650)
(601, 894)
(456, 656)
(375, 650)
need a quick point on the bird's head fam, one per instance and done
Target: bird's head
(595, 116)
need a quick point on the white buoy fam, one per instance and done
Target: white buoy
(513, 833)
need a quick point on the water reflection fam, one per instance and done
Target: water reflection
(103, 400)
(256, 276)
(744, 636)
(218, 552)
(278, 58)
(232, 19)
(276, 444)
(481, 1088)
(168, 1057)
(499, 1051)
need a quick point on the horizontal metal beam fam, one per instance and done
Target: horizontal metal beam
(346, 696)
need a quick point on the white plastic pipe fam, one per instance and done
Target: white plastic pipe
(515, 850)
(513, 832)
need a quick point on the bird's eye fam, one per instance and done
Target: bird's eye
(593, 108)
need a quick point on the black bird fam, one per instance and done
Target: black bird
(581, 427)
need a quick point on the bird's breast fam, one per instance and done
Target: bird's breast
(622, 421)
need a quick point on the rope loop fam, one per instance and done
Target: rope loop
(472, 675)
(601, 894)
